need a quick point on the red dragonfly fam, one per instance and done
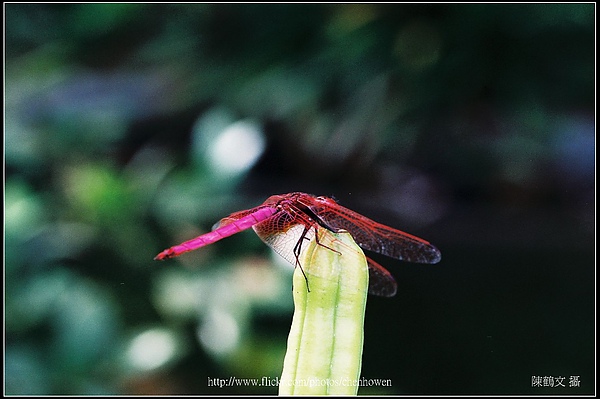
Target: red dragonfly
(274, 219)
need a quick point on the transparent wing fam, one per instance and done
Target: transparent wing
(381, 282)
(287, 237)
(374, 236)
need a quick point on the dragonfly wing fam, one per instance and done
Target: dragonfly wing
(285, 243)
(376, 237)
(381, 282)
(284, 236)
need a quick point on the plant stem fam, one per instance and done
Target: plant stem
(325, 343)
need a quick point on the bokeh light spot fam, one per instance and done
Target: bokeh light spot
(236, 148)
(219, 333)
(152, 349)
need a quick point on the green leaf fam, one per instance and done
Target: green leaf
(325, 343)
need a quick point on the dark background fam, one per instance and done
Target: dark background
(132, 127)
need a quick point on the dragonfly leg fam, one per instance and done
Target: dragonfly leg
(313, 217)
(297, 249)
(323, 245)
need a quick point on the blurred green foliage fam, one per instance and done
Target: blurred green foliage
(474, 123)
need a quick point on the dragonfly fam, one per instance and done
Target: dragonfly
(276, 223)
